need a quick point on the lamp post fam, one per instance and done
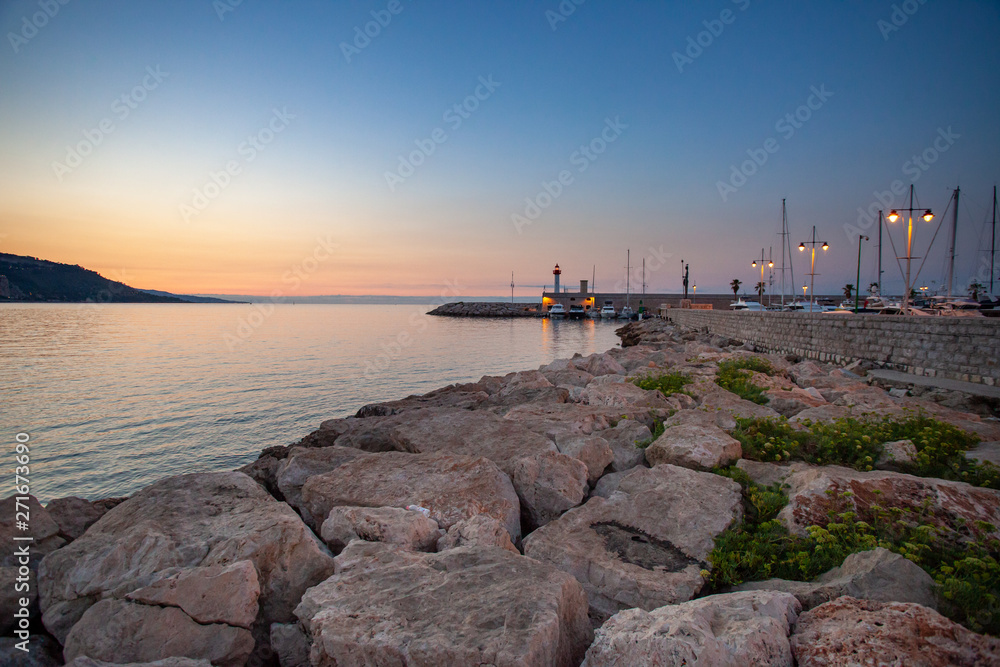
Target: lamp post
(857, 283)
(695, 297)
(804, 288)
(760, 285)
(893, 217)
(812, 266)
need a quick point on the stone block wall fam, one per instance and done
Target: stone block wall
(958, 348)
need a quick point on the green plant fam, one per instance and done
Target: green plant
(658, 430)
(666, 383)
(962, 560)
(736, 375)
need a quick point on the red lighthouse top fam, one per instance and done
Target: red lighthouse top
(556, 271)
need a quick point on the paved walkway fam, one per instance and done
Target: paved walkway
(973, 388)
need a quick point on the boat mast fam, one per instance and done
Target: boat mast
(628, 274)
(782, 253)
(644, 276)
(879, 253)
(951, 251)
(993, 247)
(512, 287)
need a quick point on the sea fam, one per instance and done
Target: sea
(113, 397)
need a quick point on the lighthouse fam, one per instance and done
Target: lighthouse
(557, 272)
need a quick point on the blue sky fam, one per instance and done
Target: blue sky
(130, 207)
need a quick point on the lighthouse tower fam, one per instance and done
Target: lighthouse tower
(557, 272)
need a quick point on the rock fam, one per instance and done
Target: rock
(696, 447)
(571, 376)
(823, 413)
(985, 452)
(789, 403)
(43, 651)
(84, 661)
(467, 396)
(813, 489)
(878, 574)
(464, 606)
(734, 405)
(623, 440)
(896, 455)
(734, 629)
(848, 631)
(646, 545)
(479, 531)
(187, 521)
(406, 529)
(290, 645)
(10, 596)
(451, 487)
(301, 464)
(74, 515)
(547, 485)
(608, 484)
(123, 632)
(41, 527)
(593, 451)
(604, 364)
(215, 594)
(899, 392)
(768, 474)
(622, 395)
(705, 418)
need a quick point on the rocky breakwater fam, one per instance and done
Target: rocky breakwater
(569, 515)
(488, 309)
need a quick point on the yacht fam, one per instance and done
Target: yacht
(557, 312)
(626, 313)
(740, 304)
(608, 311)
(576, 312)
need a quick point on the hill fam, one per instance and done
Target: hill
(32, 279)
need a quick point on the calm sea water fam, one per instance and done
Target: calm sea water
(117, 396)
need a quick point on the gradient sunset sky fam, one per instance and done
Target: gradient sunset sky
(119, 121)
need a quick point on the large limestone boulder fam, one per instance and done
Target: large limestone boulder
(593, 450)
(848, 631)
(788, 402)
(407, 529)
(74, 515)
(697, 447)
(303, 463)
(624, 439)
(568, 377)
(43, 530)
(622, 394)
(464, 606)
(42, 651)
(123, 632)
(729, 630)
(702, 417)
(480, 531)
(878, 574)
(815, 491)
(188, 521)
(646, 545)
(548, 484)
(451, 487)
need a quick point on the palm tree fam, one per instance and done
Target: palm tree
(848, 291)
(735, 286)
(760, 292)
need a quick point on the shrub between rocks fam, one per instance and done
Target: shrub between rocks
(736, 375)
(964, 563)
(667, 383)
(858, 444)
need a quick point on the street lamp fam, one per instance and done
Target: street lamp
(760, 285)
(857, 284)
(804, 288)
(893, 217)
(812, 266)
(695, 299)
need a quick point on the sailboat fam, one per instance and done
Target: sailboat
(626, 312)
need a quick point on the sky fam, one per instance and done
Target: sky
(432, 148)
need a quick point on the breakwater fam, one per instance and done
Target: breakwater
(966, 349)
(488, 309)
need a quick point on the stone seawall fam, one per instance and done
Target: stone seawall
(488, 309)
(958, 348)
